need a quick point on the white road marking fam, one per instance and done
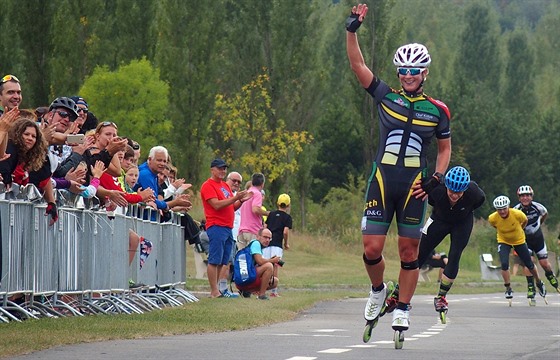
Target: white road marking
(334, 351)
(302, 358)
(361, 346)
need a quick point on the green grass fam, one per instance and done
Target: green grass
(316, 269)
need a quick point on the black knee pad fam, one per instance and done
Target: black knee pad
(372, 262)
(413, 265)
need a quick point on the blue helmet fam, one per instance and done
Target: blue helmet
(457, 179)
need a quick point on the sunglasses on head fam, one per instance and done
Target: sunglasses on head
(7, 78)
(65, 114)
(412, 71)
(109, 123)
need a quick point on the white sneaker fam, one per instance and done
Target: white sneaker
(375, 303)
(400, 319)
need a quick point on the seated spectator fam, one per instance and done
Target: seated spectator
(265, 267)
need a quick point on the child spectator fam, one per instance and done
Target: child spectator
(279, 222)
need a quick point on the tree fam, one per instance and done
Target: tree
(134, 98)
(248, 143)
(187, 35)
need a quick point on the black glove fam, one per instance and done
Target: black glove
(51, 210)
(352, 23)
(429, 183)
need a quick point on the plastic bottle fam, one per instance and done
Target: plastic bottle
(110, 208)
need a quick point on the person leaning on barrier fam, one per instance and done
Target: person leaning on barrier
(105, 148)
(148, 178)
(265, 267)
(26, 163)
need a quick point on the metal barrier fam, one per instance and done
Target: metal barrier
(80, 265)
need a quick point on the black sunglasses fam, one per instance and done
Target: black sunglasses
(66, 114)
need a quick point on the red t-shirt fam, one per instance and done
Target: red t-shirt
(219, 190)
(112, 183)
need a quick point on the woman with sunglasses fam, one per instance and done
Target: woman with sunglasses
(408, 121)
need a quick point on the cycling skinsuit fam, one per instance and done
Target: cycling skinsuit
(406, 128)
(456, 220)
(534, 235)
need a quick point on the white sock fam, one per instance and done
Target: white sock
(222, 285)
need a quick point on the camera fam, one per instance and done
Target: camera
(281, 262)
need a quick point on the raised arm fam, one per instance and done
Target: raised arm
(363, 73)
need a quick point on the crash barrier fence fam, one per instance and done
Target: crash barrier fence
(80, 264)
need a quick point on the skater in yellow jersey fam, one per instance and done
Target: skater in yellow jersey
(509, 224)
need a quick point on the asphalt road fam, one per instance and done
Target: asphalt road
(478, 327)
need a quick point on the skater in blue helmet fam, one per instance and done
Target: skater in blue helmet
(453, 205)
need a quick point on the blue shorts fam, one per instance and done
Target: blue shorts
(220, 245)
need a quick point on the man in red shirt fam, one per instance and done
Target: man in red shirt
(219, 204)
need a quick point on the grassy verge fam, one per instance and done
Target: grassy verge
(316, 270)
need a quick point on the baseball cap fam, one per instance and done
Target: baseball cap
(79, 100)
(284, 199)
(218, 163)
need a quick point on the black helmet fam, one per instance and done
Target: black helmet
(66, 103)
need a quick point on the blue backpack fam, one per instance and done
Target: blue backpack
(244, 270)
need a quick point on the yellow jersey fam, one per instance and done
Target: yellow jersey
(509, 230)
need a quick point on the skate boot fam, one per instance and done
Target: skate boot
(392, 300)
(373, 310)
(553, 281)
(509, 295)
(401, 320)
(542, 291)
(400, 325)
(531, 294)
(440, 303)
(375, 303)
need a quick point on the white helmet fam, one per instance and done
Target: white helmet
(525, 189)
(414, 55)
(501, 202)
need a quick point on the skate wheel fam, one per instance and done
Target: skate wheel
(545, 301)
(443, 317)
(532, 302)
(509, 300)
(367, 331)
(398, 338)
